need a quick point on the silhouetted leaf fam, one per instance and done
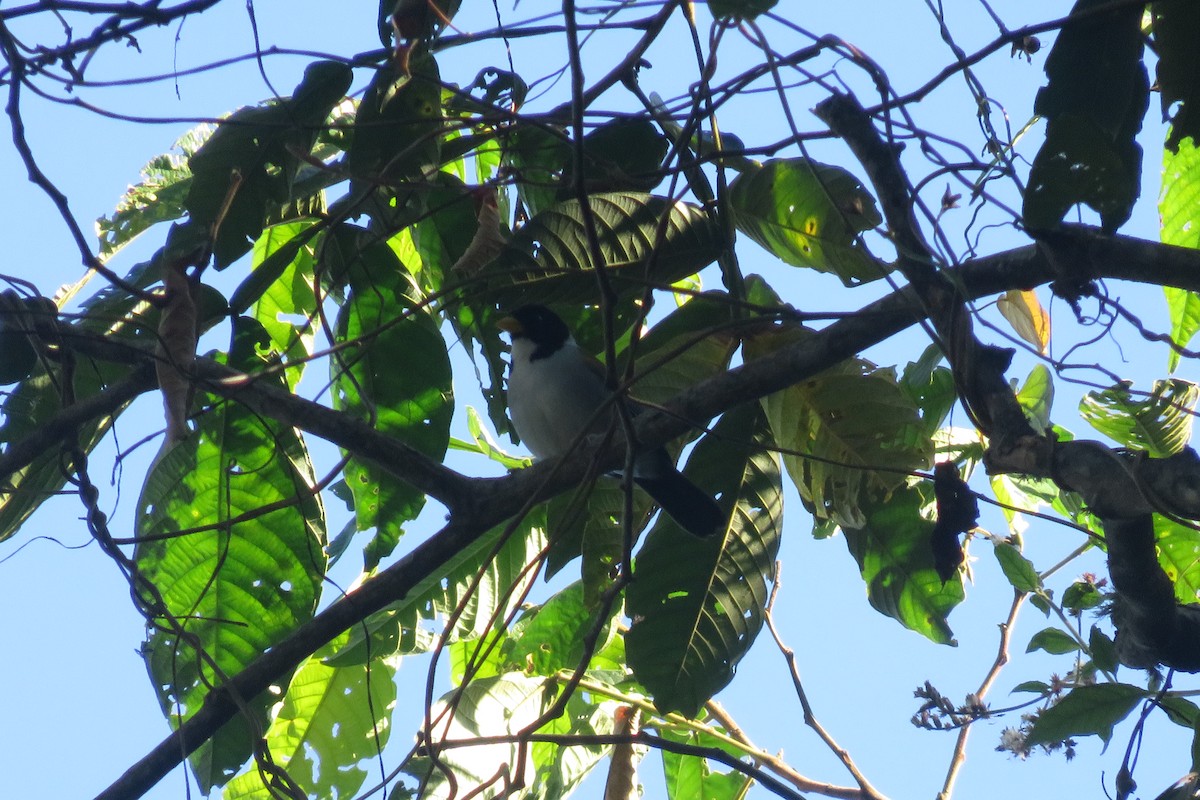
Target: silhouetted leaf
(697, 604)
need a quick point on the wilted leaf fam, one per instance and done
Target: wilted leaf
(1024, 312)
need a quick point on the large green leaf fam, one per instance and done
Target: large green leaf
(893, 553)
(698, 604)
(486, 588)
(1086, 711)
(851, 432)
(398, 122)
(249, 165)
(689, 776)
(1160, 424)
(392, 370)
(1179, 555)
(330, 722)
(1177, 212)
(1096, 95)
(810, 215)
(643, 239)
(502, 706)
(247, 577)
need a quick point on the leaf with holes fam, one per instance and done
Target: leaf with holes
(247, 578)
(331, 722)
(809, 215)
(893, 555)
(863, 428)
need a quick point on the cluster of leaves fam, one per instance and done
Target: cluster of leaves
(379, 284)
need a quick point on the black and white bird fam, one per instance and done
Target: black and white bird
(554, 392)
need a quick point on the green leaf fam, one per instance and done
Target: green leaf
(930, 387)
(860, 427)
(331, 722)
(1036, 687)
(1053, 641)
(392, 370)
(1017, 568)
(539, 155)
(896, 562)
(1081, 596)
(1179, 555)
(689, 776)
(809, 215)
(248, 577)
(396, 130)
(1177, 204)
(1094, 101)
(552, 636)
(1160, 424)
(698, 604)
(1103, 650)
(622, 155)
(249, 165)
(1086, 711)
(502, 706)
(159, 197)
(642, 238)
(487, 585)
(285, 255)
(1036, 397)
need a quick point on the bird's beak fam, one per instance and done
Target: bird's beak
(510, 325)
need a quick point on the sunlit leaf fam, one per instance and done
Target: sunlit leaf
(1160, 424)
(1017, 568)
(891, 547)
(248, 577)
(501, 706)
(861, 429)
(1177, 212)
(486, 586)
(809, 215)
(332, 720)
(1178, 549)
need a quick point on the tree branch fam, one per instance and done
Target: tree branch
(478, 504)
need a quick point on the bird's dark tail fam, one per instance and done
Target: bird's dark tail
(686, 503)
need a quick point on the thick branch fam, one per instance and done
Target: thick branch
(476, 505)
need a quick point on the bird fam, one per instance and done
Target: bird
(555, 390)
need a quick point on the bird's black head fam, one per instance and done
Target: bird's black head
(539, 325)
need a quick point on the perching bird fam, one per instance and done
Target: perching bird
(554, 392)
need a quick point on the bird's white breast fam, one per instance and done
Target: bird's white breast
(552, 399)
